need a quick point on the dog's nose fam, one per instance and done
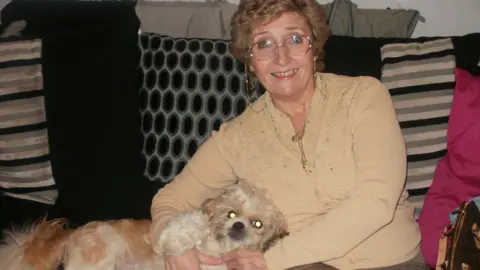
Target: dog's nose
(238, 226)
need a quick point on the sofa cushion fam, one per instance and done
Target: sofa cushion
(90, 59)
(467, 54)
(188, 88)
(420, 77)
(25, 169)
(353, 56)
(457, 175)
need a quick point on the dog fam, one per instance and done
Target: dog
(241, 217)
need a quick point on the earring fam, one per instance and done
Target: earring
(247, 85)
(250, 85)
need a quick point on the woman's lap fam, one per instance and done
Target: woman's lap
(416, 263)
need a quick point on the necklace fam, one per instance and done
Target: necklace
(298, 138)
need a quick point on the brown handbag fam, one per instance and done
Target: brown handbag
(459, 245)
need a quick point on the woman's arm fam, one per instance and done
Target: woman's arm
(205, 175)
(380, 160)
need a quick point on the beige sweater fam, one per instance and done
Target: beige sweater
(349, 211)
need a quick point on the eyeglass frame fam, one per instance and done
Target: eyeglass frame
(248, 52)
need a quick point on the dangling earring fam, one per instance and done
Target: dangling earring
(250, 85)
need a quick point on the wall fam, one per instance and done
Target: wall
(443, 17)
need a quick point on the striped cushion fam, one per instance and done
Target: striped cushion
(421, 79)
(25, 170)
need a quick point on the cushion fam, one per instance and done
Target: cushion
(467, 54)
(189, 87)
(90, 64)
(25, 168)
(457, 175)
(420, 77)
(352, 56)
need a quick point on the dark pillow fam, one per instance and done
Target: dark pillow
(467, 52)
(188, 88)
(353, 56)
(90, 59)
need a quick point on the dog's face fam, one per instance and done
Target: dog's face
(242, 217)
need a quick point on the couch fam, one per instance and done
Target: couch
(121, 111)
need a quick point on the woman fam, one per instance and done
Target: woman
(328, 149)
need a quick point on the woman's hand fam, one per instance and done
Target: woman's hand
(245, 260)
(190, 260)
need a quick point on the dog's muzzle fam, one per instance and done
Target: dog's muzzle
(237, 231)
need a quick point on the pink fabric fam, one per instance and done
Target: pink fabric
(457, 175)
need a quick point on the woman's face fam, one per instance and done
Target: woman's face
(287, 72)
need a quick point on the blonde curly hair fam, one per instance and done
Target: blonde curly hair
(251, 13)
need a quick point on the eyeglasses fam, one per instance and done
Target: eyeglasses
(296, 45)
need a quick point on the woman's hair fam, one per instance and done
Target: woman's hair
(251, 13)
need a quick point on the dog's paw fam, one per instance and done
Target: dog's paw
(182, 233)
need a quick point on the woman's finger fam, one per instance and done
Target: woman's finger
(232, 255)
(246, 263)
(167, 266)
(209, 260)
(233, 265)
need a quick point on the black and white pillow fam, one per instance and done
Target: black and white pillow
(189, 87)
(25, 170)
(420, 76)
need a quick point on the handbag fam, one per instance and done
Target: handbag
(459, 245)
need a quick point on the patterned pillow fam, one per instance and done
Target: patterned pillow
(420, 76)
(189, 87)
(25, 170)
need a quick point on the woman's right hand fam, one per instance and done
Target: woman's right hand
(190, 260)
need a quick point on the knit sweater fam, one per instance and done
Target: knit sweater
(348, 208)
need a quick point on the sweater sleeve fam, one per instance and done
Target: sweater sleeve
(380, 158)
(207, 173)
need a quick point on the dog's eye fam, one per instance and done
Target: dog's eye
(232, 214)
(257, 224)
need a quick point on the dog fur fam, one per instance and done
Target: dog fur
(37, 247)
(241, 217)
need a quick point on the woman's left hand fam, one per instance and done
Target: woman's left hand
(245, 260)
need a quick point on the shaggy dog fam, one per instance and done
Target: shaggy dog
(241, 217)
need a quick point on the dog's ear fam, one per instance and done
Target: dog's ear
(208, 206)
(283, 234)
(278, 230)
(277, 234)
(270, 242)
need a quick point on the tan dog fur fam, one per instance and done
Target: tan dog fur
(124, 244)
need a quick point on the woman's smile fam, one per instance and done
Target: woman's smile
(289, 74)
